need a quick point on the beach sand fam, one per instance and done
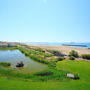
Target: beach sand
(63, 49)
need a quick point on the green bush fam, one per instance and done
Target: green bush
(74, 54)
(47, 73)
(5, 64)
(60, 59)
(72, 58)
(85, 56)
(40, 50)
(55, 52)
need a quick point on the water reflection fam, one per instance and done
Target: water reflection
(15, 56)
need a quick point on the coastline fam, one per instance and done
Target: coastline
(63, 49)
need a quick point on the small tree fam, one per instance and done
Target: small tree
(60, 59)
(74, 54)
(72, 58)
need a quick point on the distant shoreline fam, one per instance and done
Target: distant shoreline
(77, 45)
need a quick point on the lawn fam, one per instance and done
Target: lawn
(82, 68)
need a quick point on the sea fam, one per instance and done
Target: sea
(87, 45)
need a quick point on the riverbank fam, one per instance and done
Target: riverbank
(63, 49)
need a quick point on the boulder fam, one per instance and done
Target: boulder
(20, 64)
(72, 76)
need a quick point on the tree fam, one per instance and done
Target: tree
(73, 53)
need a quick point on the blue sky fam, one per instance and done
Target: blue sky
(45, 20)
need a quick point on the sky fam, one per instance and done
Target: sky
(45, 20)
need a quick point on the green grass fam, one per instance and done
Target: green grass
(46, 75)
(78, 67)
(14, 84)
(51, 74)
(8, 48)
(82, 68)
(5, 64)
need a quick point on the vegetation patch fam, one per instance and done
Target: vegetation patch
(74, 54)
(44, 73)
(72, 58)
(51, 74)
(86, 56)
(48, 74)
(8, 48)
(55, 52)
(5, 64)
(59, 59)
(35, 55)
(8, 72)
(80, 68)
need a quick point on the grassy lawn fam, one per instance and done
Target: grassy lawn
(9, 84)
(82, 68)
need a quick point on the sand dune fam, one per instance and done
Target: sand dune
(63, 49)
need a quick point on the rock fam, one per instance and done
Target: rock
(20, 64)
(72, 76)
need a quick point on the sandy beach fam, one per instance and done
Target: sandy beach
(63, 49)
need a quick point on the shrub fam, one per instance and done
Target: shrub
(50, 74)
(60, 59)
(44, 73)
(73, 53)
(40, 50)
(55, 52)
(85, 56)
(5, 64)
(72, 58)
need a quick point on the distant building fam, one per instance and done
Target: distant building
(11, 45)
(5, 44)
